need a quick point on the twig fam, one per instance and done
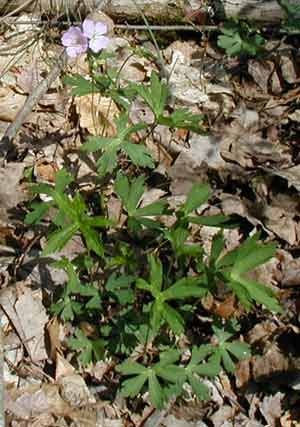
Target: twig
(18, 9)
(129, 27)
(200, 28)
(39, 91)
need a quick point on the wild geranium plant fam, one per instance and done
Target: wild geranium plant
(142, 282)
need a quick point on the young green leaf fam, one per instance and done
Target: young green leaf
(59, 239)
(156, 274)
(139, 155)
(198, 195)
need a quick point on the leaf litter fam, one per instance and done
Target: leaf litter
(250, 155)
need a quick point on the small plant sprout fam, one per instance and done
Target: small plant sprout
(77, 41)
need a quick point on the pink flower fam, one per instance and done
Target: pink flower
(94, 32)
(75, 42)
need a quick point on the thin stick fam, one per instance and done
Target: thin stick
(129, 27)
(39, 91)
(18, 9)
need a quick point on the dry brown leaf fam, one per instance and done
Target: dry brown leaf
(11, 192)
(34, 400)
(271, 362)
(192, 163)
(46, 171)
(288, 67)
(32, 314)
(75, 391)
(261, 332)
(97, 114)
(63, 368)
(53, 329)
(242, 373)
(271, 409)
(223, 416)
(10, 103)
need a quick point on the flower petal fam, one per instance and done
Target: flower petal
(73, 52)
(88, 28)
(98, 43)
(100, 28)
(71, 36)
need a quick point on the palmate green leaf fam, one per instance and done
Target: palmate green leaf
(259, 255)
(211, 368)
(182, 119)
(185, 288)
(240, 38)
(199, 354)
(62, 180)
(122, 187)
(108, 161)
(90, 350)
(171, 373)
(92, 239)
(156, 274)
(218, 244)
(155, 391)
(133, 386)
(138, 154)
(173, 318)
(247, 247)
(150, 223)
(120, 288)
(98, 222)
(41, 189)
(155, 95)
(65, 205)
(96, 143)
(223, 333)
(198, 195)
(242, 294)
(59, 239)
(221, 221)
(136, 191)
(259, 292)
(79, 206)
(156, 316)
(227, 361)
(66, 309)
(240, 350)
(39, 210)
(177, 237)
(199, 388)
(80, 85)
(142, 284)
(130, 367)
(231, 43)
(153, 209)
(168, 357)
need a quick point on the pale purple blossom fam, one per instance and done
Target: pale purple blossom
(95, 31)
(75, 42)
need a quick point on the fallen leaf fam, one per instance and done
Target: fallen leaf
(75, 391)
(32, 314)
(271, 408)
(270, 363)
